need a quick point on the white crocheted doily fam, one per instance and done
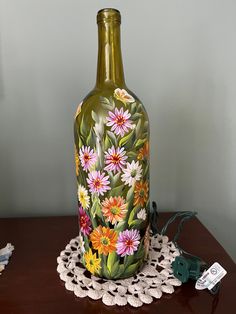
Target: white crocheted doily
(154, 279)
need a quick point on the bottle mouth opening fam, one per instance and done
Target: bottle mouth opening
(108, 15)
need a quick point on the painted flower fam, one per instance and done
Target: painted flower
(140, 193)
(119, 121)
(128, 242)
(98, 182)
(144, 151)
(83, 197)
(104, 240)
(87, 157)
(92, 263)
(122, 95)
(142, 214)
(76, 162)
(81, 243)
(115, 159)
(132, 173)
(84, 222)
(114, 209)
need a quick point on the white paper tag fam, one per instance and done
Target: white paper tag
(210, 277)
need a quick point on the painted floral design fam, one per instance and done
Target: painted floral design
(128, 242)
(132, 173)
(112, 168)
(83, 197)
(114, 209)
(144, 151)
(98, 182)
(93, 264)
(141, 193)
(115, 159)
(84, 222)
(104, 240)
(87, 157)
(122, 95)
(119, 121)
(142, 214)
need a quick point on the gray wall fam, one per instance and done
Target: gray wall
(179, 58)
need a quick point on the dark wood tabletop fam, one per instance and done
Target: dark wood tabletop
(30, 283)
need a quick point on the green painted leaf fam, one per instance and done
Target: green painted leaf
(95, 116)
(128, 260)
(146, 169)
(96, 208)
(90, 139)
(135, 223)
(132, 214)
(133, 108)
(117, 191)
(107, 143)
(136, 116)
(114, 178)
(131, 269)
(140, 142)
(105, 270)
(83, 127)
(120, 272)
(132, 154)
(106, 103)
(112, 138)
(120, 226)
(130, 194)
(127, 139)
(86, 243)
(145, 126)
(111, 260)
(141, 252)
(115, 269)
(138, 128)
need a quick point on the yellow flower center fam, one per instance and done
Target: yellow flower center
(105, 241)
(115, 210)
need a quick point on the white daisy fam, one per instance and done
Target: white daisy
(132, 173)
(142, 214)
(83, 197)
(81, 244)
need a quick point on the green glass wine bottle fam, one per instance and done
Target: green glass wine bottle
(111, 131)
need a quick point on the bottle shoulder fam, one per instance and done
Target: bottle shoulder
(100, 99)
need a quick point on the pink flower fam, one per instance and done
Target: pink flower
(98, 182)
(84, 222)
(115, 159)
(87, 157)
(128, 242)
(119, 120)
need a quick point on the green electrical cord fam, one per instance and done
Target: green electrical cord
(183, 268)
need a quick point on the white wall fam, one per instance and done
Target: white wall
(179, 58)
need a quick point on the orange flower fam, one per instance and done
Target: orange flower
(114, 209)
(76, 162)
(104, 240)
(144, 151)
(141, 193)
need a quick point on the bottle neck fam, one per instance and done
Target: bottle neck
(109, 66)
